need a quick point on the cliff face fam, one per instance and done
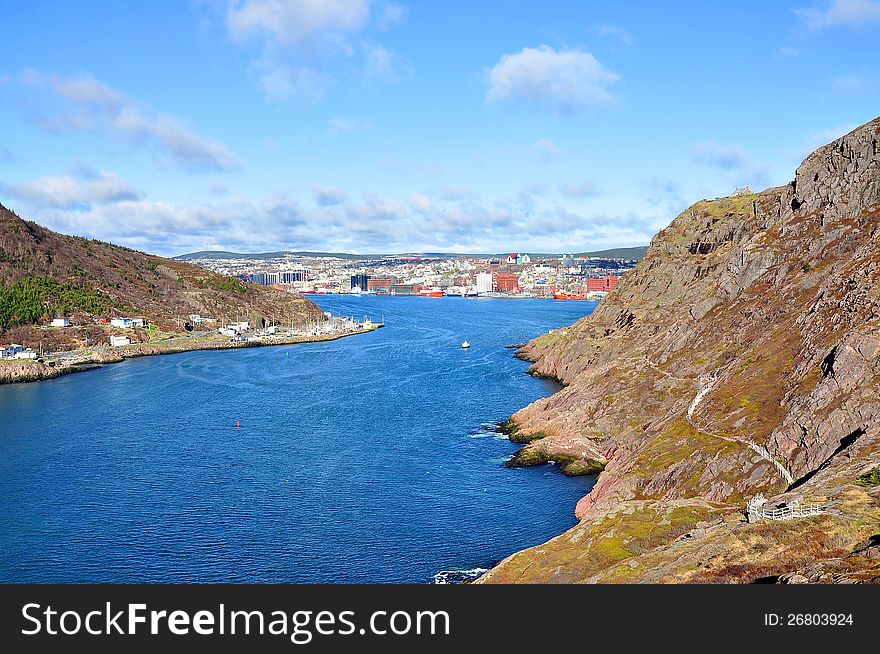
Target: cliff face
(44, 273)
(739, 357)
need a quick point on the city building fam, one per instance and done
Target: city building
(295, 275)
(9, 351)
(602, 283)
(505, 282)
(484, 282)
(517, 259)
(405, 289)
(381, 284)
(360, 281)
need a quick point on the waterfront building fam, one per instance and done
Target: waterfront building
(405, 289)
(505, 282)
(9, 351)
(360, 281)
(484, 282)
(116, 341)
(602, 283)
(298, 274)
(380, 283)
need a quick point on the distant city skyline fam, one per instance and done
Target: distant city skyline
(373, 126)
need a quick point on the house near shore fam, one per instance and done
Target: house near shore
(128, 323)
(16, 351)
(60, 322)
(116, 341)
(8, 351)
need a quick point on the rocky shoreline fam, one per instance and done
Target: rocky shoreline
(24, 371)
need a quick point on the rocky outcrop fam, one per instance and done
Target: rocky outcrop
(741, 356)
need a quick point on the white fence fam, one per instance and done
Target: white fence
(756, 510)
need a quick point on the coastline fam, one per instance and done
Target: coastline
(22, 371)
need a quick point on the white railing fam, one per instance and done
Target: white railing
(756, 511)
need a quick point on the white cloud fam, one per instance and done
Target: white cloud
(385, 65)
(90, 105)
(343, 125)
(300, 41)
(391, 14)
(583, 189)
(420, 202)
(544, 150)
(565, 81)
(281, 81)
(787, 51)
(725, 157)
(734, 162)
(366, 224)
(327, 196)
(840, 12)
(73, 192)
(616, 32)
(296, 21)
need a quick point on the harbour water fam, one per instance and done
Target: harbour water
(374, 458)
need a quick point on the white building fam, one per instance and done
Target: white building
(9, 351)
(122, 323)
(26, 354)
(116, 341)
(138, 322)
(484, 282)
(61, 322)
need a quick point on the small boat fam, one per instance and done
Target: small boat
(465, 344)
(431, 292)
(565, 295)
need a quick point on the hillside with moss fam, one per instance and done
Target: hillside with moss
(741, 356)
(44, 274)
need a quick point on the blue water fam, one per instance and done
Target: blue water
(369, 459)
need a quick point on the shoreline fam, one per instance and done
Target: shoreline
(22, 372)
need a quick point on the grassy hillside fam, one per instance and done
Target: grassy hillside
(44, 274)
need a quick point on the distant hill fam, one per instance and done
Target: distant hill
(615, 253)
(222, 254)
(637, 253)
(45, 274)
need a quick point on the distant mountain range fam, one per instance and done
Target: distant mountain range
(613, 253)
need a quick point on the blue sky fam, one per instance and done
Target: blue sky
(374, 126)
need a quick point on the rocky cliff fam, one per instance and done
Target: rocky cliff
(741, 356)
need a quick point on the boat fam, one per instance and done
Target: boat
(434, 291)
(465, 345)
(461, 291)
(566, 295)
